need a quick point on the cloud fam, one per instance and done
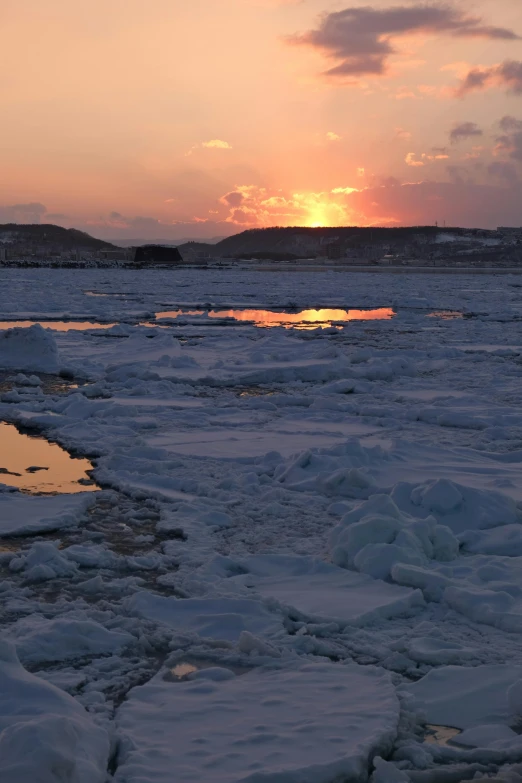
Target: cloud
(411, 160)
(213, 144)
(361, 40)
(335, 191)
(508, 124)
(216, 144)
(510, 144)
(461, 202)
(464, 130)
(506, 75)
(22, 213)
(400, 133)
(503, 171)
(331, 136)
(232, 199)
(261, 207)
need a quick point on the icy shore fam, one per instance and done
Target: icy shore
(324, 525)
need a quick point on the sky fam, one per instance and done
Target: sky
(169, 119)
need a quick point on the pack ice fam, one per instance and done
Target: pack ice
(305, 564)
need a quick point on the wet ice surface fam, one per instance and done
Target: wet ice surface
(314, 509)
(33, 465)
(440, 735)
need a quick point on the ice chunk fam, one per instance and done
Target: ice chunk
(463, 697)
(45, 735)
(43, 562)
(497, 608)
(514, 695)
(505, 540)
(321, 592)
(385, 772)
(376, 535)
(487, 736)
(21, 514)
(317, 722)
(458, 507)
(40, 640)
(216, 618)
(437, 652)
(31, 349)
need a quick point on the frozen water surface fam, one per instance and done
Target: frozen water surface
(331, 509)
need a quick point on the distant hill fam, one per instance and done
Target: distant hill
(137, 241)
(49, 236)
(197, 247)
(308, 242)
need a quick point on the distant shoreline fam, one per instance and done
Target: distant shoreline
(395, 270)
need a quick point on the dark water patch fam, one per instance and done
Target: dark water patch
(254, 391)
(47, 382)
(446, 315)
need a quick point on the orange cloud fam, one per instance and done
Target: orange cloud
(217, 144)
(255, 206)
(507, 75)
(410, 160)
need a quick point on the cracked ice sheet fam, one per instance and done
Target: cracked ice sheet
(464, 697)
(321, 592)
(237, 443)
(310, 723)
(472, 436)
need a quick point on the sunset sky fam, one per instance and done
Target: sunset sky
(167, 119)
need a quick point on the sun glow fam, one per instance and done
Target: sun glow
(324, 215)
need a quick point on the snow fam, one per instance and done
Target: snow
(45, 735)
(21, 514)
(319, 592)
(32, 349)
(39, 640)
(325, 524)
(312, 723)
(466, 697)
(218, 618)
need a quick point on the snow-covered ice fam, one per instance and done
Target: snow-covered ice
(324, 523)
(308, 723)
(45, 735)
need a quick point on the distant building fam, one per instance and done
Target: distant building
(333, 251)
(120, 254)
(151, 255)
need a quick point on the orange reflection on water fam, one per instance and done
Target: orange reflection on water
(18, 452)
(304, 319)
(59, 326)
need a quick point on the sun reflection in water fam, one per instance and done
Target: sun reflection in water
(305, 319)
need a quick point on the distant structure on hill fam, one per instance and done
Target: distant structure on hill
(157, 255)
